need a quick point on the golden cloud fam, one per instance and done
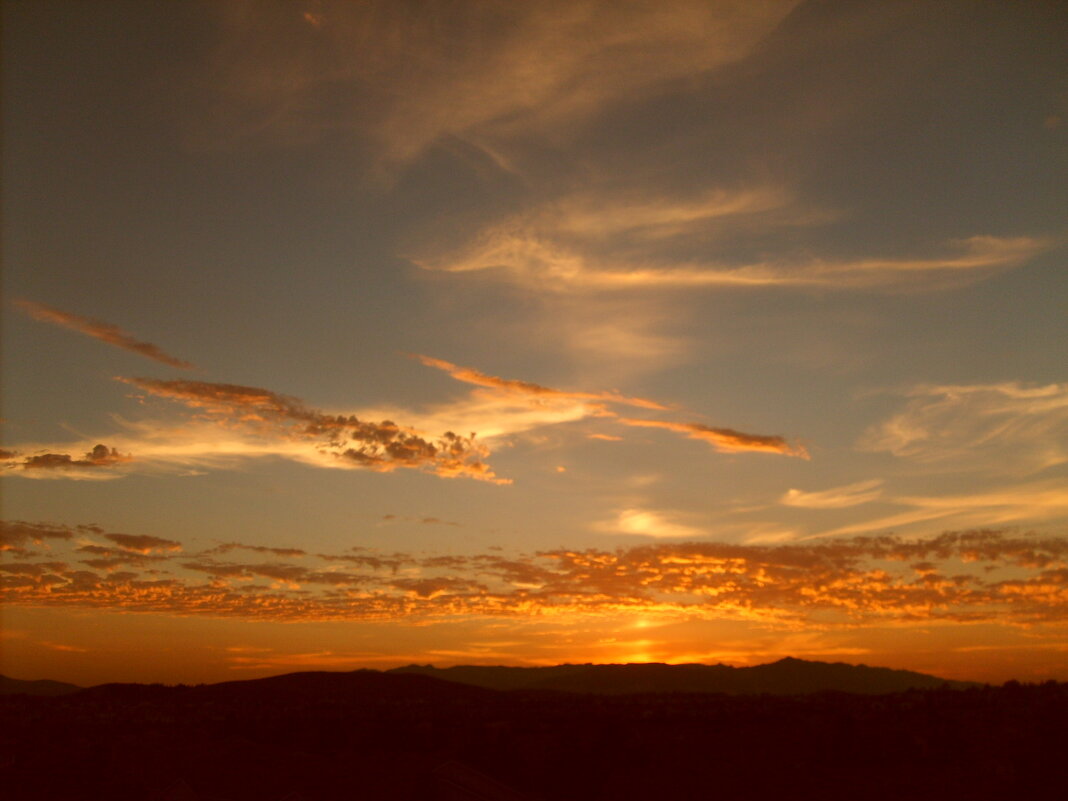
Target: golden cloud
(512, 386)
(319, 438)
(725, 440)
(594, 404)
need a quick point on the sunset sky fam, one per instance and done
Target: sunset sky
(357, 334)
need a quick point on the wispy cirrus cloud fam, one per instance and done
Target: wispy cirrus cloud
(1007, 427)
(105, 332)
(835, 498)
(550, 257)
(488, 75)
(973, 575)
(1017, 504)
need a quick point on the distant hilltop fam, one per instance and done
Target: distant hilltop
(787, 676)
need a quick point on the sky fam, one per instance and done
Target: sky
(360, 334)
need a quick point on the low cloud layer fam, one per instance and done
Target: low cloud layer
(105, 332)
(966, 576)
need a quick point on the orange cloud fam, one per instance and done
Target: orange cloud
(970, 576)
(143, 543)
(105, 332)
(524, 388)
(725, 440)
(16, 533)
(324, 439)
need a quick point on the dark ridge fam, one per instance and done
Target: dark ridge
(788, 676)
(357, 683)
(313, 687)
(10, 686)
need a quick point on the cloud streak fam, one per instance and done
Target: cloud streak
(725, 440)
(105, 332)
(594, 404)
(1033, 502)
(835, 498)
(526, 389)
(544, 258)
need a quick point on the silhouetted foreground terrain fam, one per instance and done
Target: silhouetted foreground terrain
(402, 736)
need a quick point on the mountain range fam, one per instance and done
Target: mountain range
(787, 676)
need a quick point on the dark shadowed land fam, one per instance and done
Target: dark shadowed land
(400, 736)
(786, 677)
(9, 686)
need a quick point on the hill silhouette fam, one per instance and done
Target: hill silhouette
(313, 687)
(9, 686)
(787, 676)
